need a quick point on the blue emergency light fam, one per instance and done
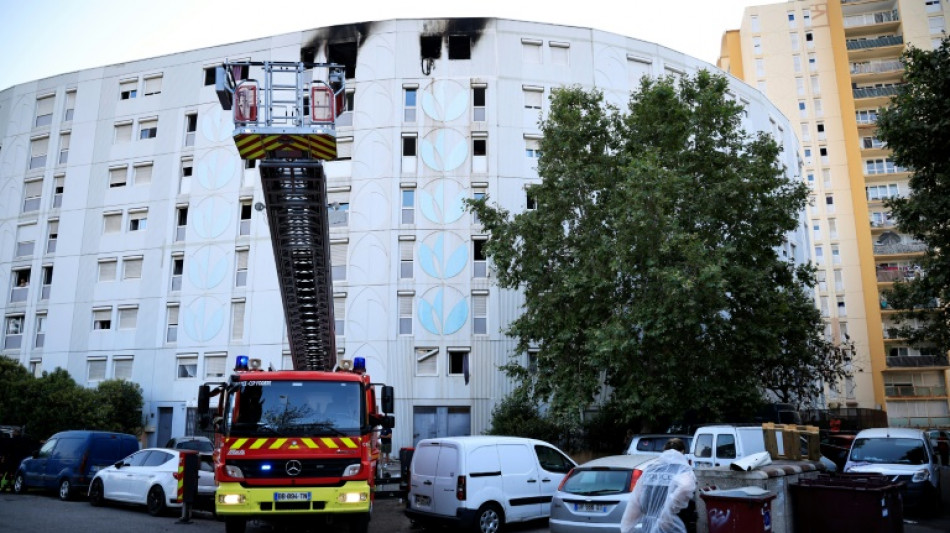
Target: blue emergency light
(265, 467)
(359, 364)
(241, 363)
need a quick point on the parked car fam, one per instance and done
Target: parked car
(594, 495)
(903, 454)
(191, 442)
(836, 446)
(483, 482)
(722, 445)
(68, 460)
(653, 444)
(149, 477)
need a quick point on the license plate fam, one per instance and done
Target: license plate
(291, 496)
(422, 500)
(590, 508)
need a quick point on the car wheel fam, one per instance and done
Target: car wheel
(19, 484)
(490, 519)
(235, 525)
(96, 493)
(156, 501)
(65, 490)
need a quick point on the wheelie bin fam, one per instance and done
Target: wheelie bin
(739, 510)
(845, 503)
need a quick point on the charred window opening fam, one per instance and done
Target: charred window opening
(460, 47)
(343, 54)
(430, 46)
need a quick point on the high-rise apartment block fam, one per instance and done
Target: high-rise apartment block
(830, 65)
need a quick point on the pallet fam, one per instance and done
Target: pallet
(791, 441)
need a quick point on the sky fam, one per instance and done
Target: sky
(42, 38)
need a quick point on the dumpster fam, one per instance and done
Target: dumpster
(740, 510)
(843, 503)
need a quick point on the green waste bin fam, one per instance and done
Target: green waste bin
(844, 503)
(740, 510)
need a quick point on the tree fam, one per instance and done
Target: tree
(14, 405)
(916, 127)
(118, 407)
(650, 263)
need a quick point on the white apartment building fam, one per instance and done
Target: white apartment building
(133, 242)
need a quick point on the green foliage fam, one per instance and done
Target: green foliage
(916, 127)
(518, 415)
(55, 402)
(649, 265)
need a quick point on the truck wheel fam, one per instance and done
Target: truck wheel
(490, 519)
(155, 501)
(235, 525)
(65, 490)
(359, 523)
(19, 484)
(96, 493)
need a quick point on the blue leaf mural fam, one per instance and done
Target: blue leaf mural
(443, 150)
(456, 318)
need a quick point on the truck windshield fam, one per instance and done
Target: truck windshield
(294, 408)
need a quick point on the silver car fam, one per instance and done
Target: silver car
(594, 495)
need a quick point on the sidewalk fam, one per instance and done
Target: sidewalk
(940, 524)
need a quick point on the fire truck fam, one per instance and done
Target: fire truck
(301, 444)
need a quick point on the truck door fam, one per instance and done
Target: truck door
(34, 470)
(446, 481)
(554, 466)
(702, 455)
(521, 479)
(425, 460)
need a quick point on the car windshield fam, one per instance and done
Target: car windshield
(299, 408)
(197, 445)
(597, 481)
(889, 451)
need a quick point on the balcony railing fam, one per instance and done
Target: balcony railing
(899, 248)
(874, 92)
(900, 274)
(914, 390)
(919, 422)
(869, 19)
(916, 361)
(876, 67)
(862, 44)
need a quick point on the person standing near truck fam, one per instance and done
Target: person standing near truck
(386, 444)
(664, 489)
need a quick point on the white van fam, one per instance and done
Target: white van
(484, 482)
(723, 445)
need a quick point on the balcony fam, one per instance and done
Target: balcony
(871, 19)
(898, 274)
(874, 92)
(919, 422)
(914, 391)
(876, 67)
(916, 361)
(878, 42)
(901, 248)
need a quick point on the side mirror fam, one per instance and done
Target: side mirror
(204, 402)
(388, 400)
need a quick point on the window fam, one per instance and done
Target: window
(128, 317)
(460, 47)
(458, 361)
(532, 148)
(70, 106)
(178, 268)
(531, 199)
(338, 260)
(812, 62)
(237, 319)
(754, 23)
(478, 103)
(138, 220)
(791, 19)
(937, 24)
(128, 89)
(427, 361)
(802, 109)
(102, 318)
(405, 315)
(933, 6)
(882, 192)
(760, 68)
(477, 195)
(408, 206)
(171, 323)
(409, 144)
(479, 314)
(806, 132)
(842, 309)
(59, 183)
(107, 269)
(21, 285)
(409, 102)
(818, 109)
(122, 367)
(148, 129)
(96, 369)
(806, 17)
(866, 116)
(47, 273)
(823, 154)
(240, 260)
(479, 261)
(40, 338)
(153, 85)
(533, 98)
(132, 267)
(63, 148)
(816, 231)
(839, 284)
(187, 365)
(835, 254)
(181, 224)
(560, 53)
(756, 45)
(405, 259)
(820, 126)
(38, 150)
(531, 51)
(832, 228)
(830, 202)
(797, 63)
(819, 255)
(244, 227)
(191, 127)
(822, 278)
(216, 365)
(479, 152)
(637, 69)
(142, 174)
(118, 177)
(184, 185)
(810, 180)
(44, 110)
(794, 40)
(808, 157)
(123, 132)
(32, 193)
(26, 239)
(339, 313)
(344, 149)
(210, 75)
(13, 332)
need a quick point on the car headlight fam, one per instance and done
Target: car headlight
(921, 475)
(353, 497)
(233, 471)
(351, 470)
(231, 499)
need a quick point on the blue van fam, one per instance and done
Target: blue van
(69, 459)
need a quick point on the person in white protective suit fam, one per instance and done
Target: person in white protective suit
(663, 490)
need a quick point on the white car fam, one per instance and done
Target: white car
(150, 477)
